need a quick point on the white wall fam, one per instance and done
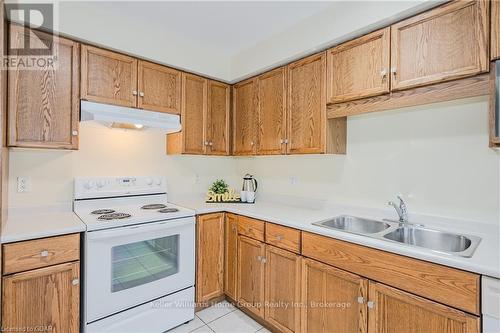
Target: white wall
(109, 152)
(436, 156)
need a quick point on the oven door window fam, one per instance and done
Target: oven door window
(139, 263)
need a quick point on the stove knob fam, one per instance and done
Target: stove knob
(101, 183)
(149, 181)
(89, 184)
(158, 181)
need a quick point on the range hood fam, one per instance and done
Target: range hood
(140, 118)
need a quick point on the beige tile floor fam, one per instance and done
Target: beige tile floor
(220, 318)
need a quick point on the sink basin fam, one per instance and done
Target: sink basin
(354, 224)
(434, 240)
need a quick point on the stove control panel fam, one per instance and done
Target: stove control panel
(102, 187)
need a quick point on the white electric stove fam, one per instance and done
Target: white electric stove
(139, 256)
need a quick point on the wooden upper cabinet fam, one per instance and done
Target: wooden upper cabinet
(218, 114)
(44, 104)
(45, 297)
(194, 110)
(271, 112)
(396, 311)
(323, 284)
(245, 117)
(251, 274)
(159, 88)
(231, 255)
(307, 105)
(108, 77)
(359, 68)
(495, 30)
(283, 283)
(445, 43)
(210, 256)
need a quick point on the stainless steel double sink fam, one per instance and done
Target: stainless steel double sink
(408, 234)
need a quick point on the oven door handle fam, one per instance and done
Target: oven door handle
(141, 228)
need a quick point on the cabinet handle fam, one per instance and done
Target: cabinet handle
(282, 141)
(286, 141)
(361, 300)
(259, 258)
(44, 254)
(75, 282)
(252, 143)
(210, 143)
(74, 133)
(370, 304)
(383, 73)
(264, 260)
(134, 92)
(394, 70)
(279, 237)
(206, 143)
(141, 94)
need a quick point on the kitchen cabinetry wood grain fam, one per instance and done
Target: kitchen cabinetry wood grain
(245, 117)
(282, 289)
(307, 105)
(159, 88)
(446, 285)
(210, 257)
(272, 112)
(218, 115)
(45, 299)
(231, 256)
(333, 300)
(396, 311)
(495, 30)
(108, 77)
(251, 275)
(44, 104)
(442, 44)
(359, 68)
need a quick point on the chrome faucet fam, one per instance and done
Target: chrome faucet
(401, 210)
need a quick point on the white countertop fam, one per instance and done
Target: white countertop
(485, 260)
(38, 223)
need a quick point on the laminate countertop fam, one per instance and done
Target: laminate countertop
(39, 224)
(301, 215)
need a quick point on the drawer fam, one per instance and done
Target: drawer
(450, 286)
(23, 256)
(251, 228)
(283, 237)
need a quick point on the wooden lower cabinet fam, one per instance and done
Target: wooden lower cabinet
(42, 300)
(282, 289)
(333, 300)
(230, 255)
(400, 312)
(210, 257)
(250, 289)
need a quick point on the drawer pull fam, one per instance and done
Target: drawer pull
(75, 282)
(361, 300)
(370, 304)
(44, 254)
(279, 237)
(263, 260)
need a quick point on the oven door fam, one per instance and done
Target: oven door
(128, 266)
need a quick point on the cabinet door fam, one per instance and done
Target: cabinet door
(495, 30)
(108, 77)
(397, 311)
(194, 113)
(359, 68)
(159, 88)
(251, 274)
(307, 105)
(245, 117)
(44, 104)
(272, 112)
(282, 289)
(442, 44)
(231, 255)
(218, 118)
(45, 299)
(210, 256)
(333, 300)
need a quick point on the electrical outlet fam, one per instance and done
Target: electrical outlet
(196, 178)
(23, 184)
(294, 180)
